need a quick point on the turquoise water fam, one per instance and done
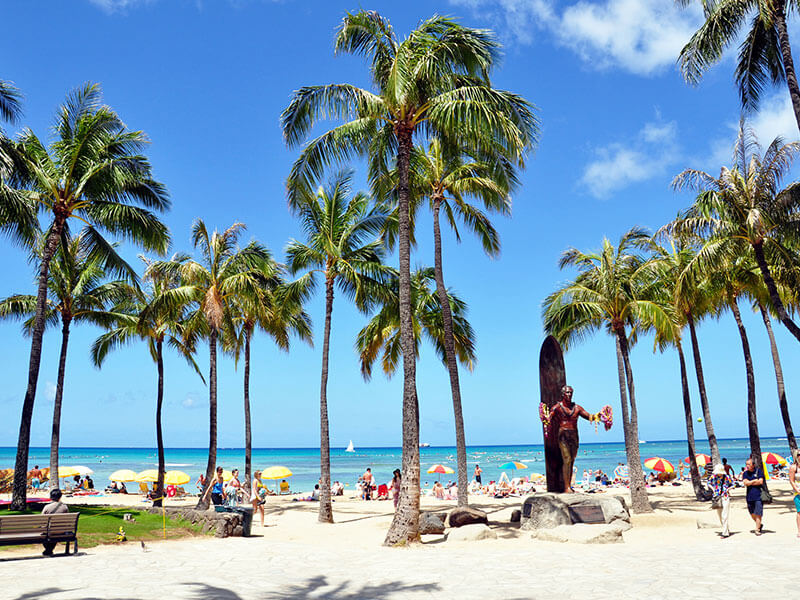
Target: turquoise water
(347, 467)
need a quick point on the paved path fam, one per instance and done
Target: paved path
(511, 567)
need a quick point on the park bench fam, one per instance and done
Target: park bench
(16, 530)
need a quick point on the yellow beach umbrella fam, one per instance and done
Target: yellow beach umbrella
(441, 469)
(659, 464)
(147, 476)
(277, 472)
(536, 476)
(123, 475)
(176, 478)
(771, 458)
(67, 472)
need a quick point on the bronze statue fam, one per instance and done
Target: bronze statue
(564, 416)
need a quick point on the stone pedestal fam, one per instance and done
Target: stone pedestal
(548, 511)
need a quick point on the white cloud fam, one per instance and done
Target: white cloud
(50, 391)
(111, 6)
(643, 157)
(191, 401)
(642, 37)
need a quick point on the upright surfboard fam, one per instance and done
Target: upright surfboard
(552, 377)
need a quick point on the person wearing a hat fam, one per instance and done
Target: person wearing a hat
(721, 485)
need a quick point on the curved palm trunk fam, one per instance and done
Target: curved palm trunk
(248, 433)
(752, 417)
(55, 437)
(212, 416)
(19, 495)
(774, 296)
(325, 504)
(713, 446)
(776, 361)
(405, 524)
(687, 412)
(788, 62)
(450, 357)
(159, 433)
(630, 426)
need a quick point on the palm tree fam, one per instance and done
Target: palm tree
(433, 83)
(10, 102)
(93, 172)
(341, 230)
(765, 55)
(143, 316)
(225, 273)
(611, 291)
(746, 203)
(381, 336)
(76, 294)
(275, 307)
(17, 211)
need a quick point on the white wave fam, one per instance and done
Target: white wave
(178, 464)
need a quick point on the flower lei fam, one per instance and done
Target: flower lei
(544, 415)
(606, 416)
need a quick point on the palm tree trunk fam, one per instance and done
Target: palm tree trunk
(687, 412)
(639, 501)
(774, 296)
(450, 357)
(19, 495)
(788, 62)
(55, 438)
(716, 458)
(325, 504)
(776, 362)
(405, 524)
(248, 432)
(159, 433)
(752, 417)
(212, 415)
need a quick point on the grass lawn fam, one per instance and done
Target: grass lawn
(100, 524)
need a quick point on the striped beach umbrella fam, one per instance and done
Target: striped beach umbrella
(771, 458)
(514, 465)
(659, 464)
(441, 469)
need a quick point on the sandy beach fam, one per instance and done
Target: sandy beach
(664, 555)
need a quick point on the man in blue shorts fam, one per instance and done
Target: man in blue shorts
(794, 479)
(753, 479)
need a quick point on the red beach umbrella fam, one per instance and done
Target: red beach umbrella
(659, 464)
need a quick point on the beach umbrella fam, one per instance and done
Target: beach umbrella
(771, 458)
(536, 476)
(513, 465)
(123, 475)
(440, 470)
(147, 476)
(659, 464)
(83, 471)
(277, 472)
(176, 478)
(702, 459)
(67, 472)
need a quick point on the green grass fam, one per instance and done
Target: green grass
(100, 524)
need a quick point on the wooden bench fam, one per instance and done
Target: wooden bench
(16, 530)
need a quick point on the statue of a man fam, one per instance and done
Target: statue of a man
(565, 414)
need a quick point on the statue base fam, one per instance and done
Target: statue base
(548, 511)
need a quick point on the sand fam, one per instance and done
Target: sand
(664, 556)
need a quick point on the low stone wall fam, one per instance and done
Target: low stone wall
(224, 524)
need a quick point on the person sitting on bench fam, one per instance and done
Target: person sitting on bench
(55, 506)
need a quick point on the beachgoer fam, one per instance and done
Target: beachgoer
(201, 483)
(680, 470)
(438, 491)
(753, 479)
(121, 487)
(396, 487)
(77, 481)
(566, 414)
(478, 472)
(794, 481)
(215, 489)
(89, 483)
(257, 498)
(368, 483)
(728, 469)
(55, 506)
(35, 477)
(721, 485)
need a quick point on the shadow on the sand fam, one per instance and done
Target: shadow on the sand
(319, 587)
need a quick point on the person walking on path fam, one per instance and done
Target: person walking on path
(215, 489)
(794, 480)
(256, 498)
(55, 506)
(478, 472)
(721, 485)
(753, 479)
(396, 487)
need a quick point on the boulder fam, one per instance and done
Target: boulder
(516, 515)
(581, 533)
(430, 522)
(466, 515)
(471, 533)
(544, 511)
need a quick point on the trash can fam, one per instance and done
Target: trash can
(247, 518)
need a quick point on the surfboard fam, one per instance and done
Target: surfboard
(552, 377)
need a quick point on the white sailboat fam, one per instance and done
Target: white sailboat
(350, 447)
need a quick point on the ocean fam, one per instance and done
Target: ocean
(347, 467)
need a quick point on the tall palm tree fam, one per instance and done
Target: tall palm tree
(94, 171)
(449, 181)
(276, 307)
(381, 336)
(746, 202)
(143, 316)
(17, 211)
(435, 82)
(76, 294)
(341, 230)
(765, 55)
(611, 291)
(223, 273)
(10, 102)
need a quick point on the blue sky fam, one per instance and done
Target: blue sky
(207, 80)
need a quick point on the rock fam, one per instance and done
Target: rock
(516, 515)
(708, 522)
(581, 533)
(430, 522)
(466, 515)
(471, 533)
(544, 511)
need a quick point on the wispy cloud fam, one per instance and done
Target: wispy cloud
(191, 401)
(112, 6)
(645, 155)
(642, 37)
